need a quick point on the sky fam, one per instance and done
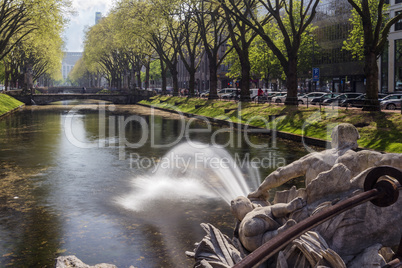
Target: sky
(84, 17)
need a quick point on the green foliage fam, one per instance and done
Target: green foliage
(41, 44)
(78, 73)
(356, 41)
(154, 71)
(264, 63)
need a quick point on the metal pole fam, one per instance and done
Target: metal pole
(315, 83)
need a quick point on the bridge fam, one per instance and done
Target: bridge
(66, 90)
(43, 99)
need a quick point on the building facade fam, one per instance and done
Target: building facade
(98, 17)
(68, 62)
(339, 71)
(390, 63)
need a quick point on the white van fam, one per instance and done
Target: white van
(253, 93)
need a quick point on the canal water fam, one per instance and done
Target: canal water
(93, 180)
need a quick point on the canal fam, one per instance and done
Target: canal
(114, 184)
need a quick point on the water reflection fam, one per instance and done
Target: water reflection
(59, 199)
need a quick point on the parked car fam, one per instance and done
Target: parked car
(272, 94)
(229, 96)
(391, 102)
(391, 97)
(299, 95)
(266, 97)
(279, 98)
(309, 96)
(226, 91)
(354, 101)
(359, 101)
(254, 92)
(321, 99)
(271, 97)
(204, 94)
(338, 100)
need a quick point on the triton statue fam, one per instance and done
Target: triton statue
(360, 237)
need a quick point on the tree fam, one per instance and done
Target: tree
(371, 27)
(154, 30)
(154, 72)
(189, 40)
(80, 75)
(263, 62)
(241, 36)
(164, 36)
(131, 36)
(102, 50)
(37, 49)
(210, 19)
(14, 19)
(299, 14)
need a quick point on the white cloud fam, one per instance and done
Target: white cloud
(85, 17)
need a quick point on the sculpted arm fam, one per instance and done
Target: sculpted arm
(282, 175)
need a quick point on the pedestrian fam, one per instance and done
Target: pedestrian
(260, 93)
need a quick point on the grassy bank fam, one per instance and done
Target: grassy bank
(378, 130)
(8, 104)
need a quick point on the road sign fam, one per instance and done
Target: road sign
(316, 74)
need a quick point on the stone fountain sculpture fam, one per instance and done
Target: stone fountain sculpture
(359, 237)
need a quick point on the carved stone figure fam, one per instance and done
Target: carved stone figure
(344, 138)
(359, 237)
(259, 224)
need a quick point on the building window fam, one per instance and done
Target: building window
(398, 1)
(398, 65)
(398, 25)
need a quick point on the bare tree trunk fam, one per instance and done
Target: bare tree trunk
(174, 73)
(147, 68)
(245, 78)
(191, 83)
(291, 82)
(7, 76)
(213, 80)
(139, 82)
(371, 72)
(163, 76)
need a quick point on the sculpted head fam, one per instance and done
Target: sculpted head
(344, 136)
(240, 207)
